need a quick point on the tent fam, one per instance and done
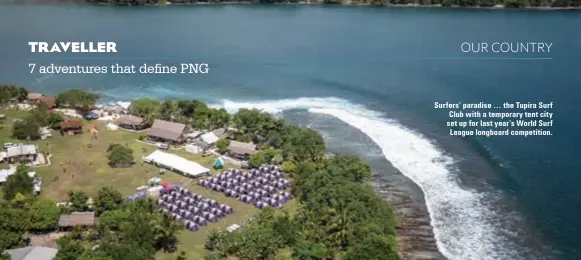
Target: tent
(112, 127)
(177, 163)
(219, 163)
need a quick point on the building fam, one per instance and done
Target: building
(131, 122)
(49, 101)
(77, 219)
(241, 150)
(34, 97)
(208, 140)
(176, 163)
(167, 132)
(32, 253)
(24, 152)
(71, 127)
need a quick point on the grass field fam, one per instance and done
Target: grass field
(80, 163)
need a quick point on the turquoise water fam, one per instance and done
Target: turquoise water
(367, 79)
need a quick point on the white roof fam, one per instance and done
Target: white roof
(176, 162)
(26, 149)
(112, 126)
(209, 138)
(4, 173)
(33, 253)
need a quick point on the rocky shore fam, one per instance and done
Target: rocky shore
(415, 235)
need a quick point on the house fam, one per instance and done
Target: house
(131, 122)
(241, 150)
(23, 152)
(32, 253)
(34, 97)
(49, 101)
(71, 127)
(77, 219)
(167, 132)
(208, 140)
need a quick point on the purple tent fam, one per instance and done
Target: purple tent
(196, 196)
(221, 188)
(228, 192)
(205, 206)
(216, 212)
(196, 210)
(212, 180)
(190, 208)
(165, 197)
(159, 201)
(238, 178)
(191, 226)
(174, 216)
(213, 203)
(182, 204)
(212, 218)
(270, 189)
(172, 207)
(205, 214)
(202, 222)
(276, 168)
(181, 212)
(228, 210)
(235, 194)
(190, 200)
(221, 177)
(260, 204)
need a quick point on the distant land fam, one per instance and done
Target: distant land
(487, 4)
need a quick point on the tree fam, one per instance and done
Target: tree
(165, 231)
(44, 215)
(256, 160)
(69, 249)
(222, 145)
(78, 200)
(288, 166)
(113, 219)
(145, 108)
(20, 182)
(54, 119)
(373, 247)
(212, 240)
(25, 129)
(305, 250)
(78, 99)
(120, 156)
(181, 256)
(108, 199)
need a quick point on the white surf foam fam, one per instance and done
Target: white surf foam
(464, 225)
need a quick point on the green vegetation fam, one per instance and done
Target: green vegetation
(335, 213)
(18, 183)
(8, 92)
(26, 129)
(119, 155)
(222, 145)
(77, 98)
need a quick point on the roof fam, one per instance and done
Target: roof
(242, 148)
(209, 138)
(130, 120)
(167, 130)
(25, 149)
(220, 132)
(4, 173)
(71, 124)
(178, 163)
(32, 253)
(34, 95)
(49, 101)
(77, 219)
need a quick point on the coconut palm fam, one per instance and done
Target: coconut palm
(212, 240)
(165, 230)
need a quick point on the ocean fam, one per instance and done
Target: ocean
(367, 79)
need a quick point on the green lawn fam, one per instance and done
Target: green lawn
(76, 166)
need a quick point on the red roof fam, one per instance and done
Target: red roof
(165, 184)
(50, 102)
(71, 124)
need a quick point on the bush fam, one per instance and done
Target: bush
(24, 129)
(222, 145)
(288, 166)
(120, 156)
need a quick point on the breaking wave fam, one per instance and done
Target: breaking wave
(466, 227)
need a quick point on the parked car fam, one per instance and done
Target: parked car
(206, 154)
(163, 146)
(6, 145)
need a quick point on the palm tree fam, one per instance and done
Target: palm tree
(339, 225)
(165, 230)
(212, 240)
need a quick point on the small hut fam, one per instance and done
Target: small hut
(71, 127)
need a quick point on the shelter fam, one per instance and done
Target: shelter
(34, 96)
(50, 102)
(167, 132)
(241, 150)
(190, 148)
(132, 122)
(176, 163)
(23, 152)
(209, 139)
(219, 163)
(32, 253)
(71, 127)
(77, 219)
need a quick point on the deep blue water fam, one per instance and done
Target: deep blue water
(368, 78)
